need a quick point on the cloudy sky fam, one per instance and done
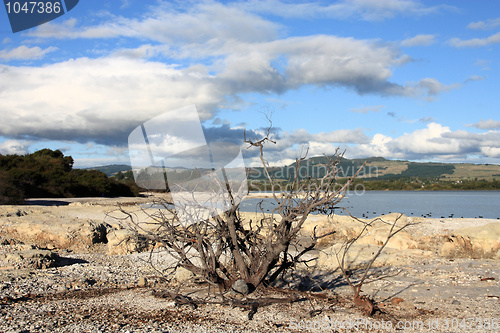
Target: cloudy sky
(402, 79)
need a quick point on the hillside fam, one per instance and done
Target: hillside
(111, 170)
(383, 169)
(444, 171)
(376, 167)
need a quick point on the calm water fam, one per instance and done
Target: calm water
(436, 204)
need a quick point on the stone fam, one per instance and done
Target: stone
(143, 282)
(72, 234)
(456, 302)
(31, 258)
(123, 241)
(241, 287)
(182, 274)
(396, 300)
(485, 239)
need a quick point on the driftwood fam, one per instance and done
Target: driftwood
(226, 247)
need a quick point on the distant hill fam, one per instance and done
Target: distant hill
(375, 167)
(111, 170)
(381, 168)
(444, 171)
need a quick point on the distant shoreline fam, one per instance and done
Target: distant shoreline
(147, 198)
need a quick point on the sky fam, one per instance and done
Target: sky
(402, 79)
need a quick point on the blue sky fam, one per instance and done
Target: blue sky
(402, 79)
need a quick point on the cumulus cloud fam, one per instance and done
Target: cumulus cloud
(99, 100)
(475, 42)
(290, 145)
(419, 40)
(17, 147)
(232, 51)
(25, 53)
(433, 142)
(102, 99)
(487, 124)
(431, 87)
(245, 47)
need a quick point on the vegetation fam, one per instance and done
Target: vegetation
(381, 174)
(48, 173)
(240, 253)
(113, 169)
(401, 184)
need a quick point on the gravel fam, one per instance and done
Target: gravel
(100, 293)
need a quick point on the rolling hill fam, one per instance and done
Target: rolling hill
(375, 168)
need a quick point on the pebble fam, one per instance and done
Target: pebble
(119, 310)
(143, 282)
(241, 287)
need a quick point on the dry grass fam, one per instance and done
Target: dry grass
(472, 171)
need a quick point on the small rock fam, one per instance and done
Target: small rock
(396, 300)
(62, 289)
(143, 282)
(456, 302)
(182, 274)
(241, 287)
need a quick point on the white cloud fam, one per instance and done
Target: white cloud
(25, 53)
(473, 78)
(425, 141)
(242, 48)
(485, 25)
(231, 52)
(475, 42)
(290, 145)
(493, 152)
(419, 40)
(202, 22)
(97, 100)
(102, 99)
(378, 146)
(431, 87)
(435, 142)
(369, 10)
(487, 124)
(18, 147)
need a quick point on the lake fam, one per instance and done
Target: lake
(433, 204)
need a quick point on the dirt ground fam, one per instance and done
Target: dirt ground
(417, 286)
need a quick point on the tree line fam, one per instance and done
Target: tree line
(48, 173)
(384, 184)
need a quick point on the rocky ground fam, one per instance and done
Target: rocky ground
(71, 268)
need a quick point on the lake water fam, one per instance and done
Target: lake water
(434, 204)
